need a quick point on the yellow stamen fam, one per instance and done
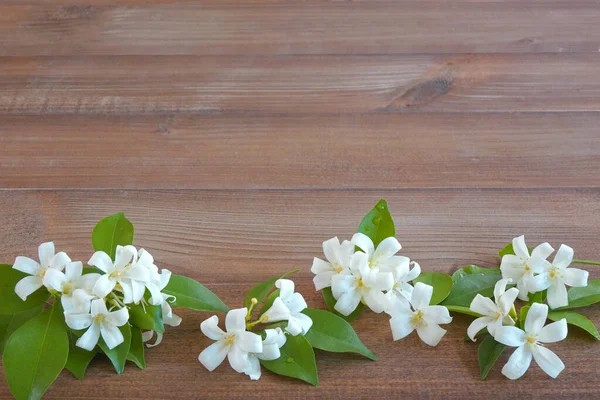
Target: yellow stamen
(99, 318)
(339, 269)
(68, 288)
(372, 263)
(498, 315)
(360, 283)
(417, 318)
(531, 339)
(527, 268)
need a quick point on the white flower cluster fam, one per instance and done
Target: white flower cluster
(84, 297)
(380, 279)
(533, 273)
(243, 348)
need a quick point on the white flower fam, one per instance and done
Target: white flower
(402, 290)
(78, 302)
(554, 277)
(384, 256)
(48, 259)
(288, 307)
(529, 343)
(422, 317)
(494, 313)
(361, 284)
(274, 340)
(521, 266)
(235, 344)
(125, 271)
(338, 260)
(99, 322)
(68, 282)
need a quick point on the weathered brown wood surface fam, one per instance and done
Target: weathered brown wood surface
(238, 135)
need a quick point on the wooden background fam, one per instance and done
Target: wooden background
(238, 135)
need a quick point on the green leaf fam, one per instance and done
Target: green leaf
(462, 310)
(118, 355)
(269, 301)
(575, 319)
(442, 285)
(466, 288)
(110, 232)
(261, 290)
(488, 353)
(332, 333)
(330, 302)
(378, 223)
(538, 297)
(583, 296)
(151, 319)
(10, 323)
(192, 295)
(523, 316)
(10, 303)
(36, 353)
(470, 270)
(297, 360)
(79, 359)
(136, 350)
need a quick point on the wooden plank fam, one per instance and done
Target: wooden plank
(337, 151)
(299, 84)
(291, 27)
(233, 239)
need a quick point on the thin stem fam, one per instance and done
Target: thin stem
(586, 262)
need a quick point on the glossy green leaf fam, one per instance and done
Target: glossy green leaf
(136, 350)
(36, 353)
(79, 359)
(538, 297)
(330, 302)
(575, 319)
(378, 223)
(110, 232)
(523, 316)
(118, 355)
(488, 353)
(10, 323)
(147, 317)
(462, 310)
(584, 296)
(467, 287)
(261, 290)
(193, 295)
(472, 269)
(442, 285)
(332, 333)
(297, 360)
(10, 303)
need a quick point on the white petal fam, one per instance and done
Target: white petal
(363, 242)
(542, 251)
(73, 270)
(375, 300)
(540, 282)
(144, 257)
(111, 334)
(304, 321)
(104, 285)
(59, 261)
(414, 272)
(518, 363)
(119, 317)
(270, 352)
(421, 295)
(500, 288)
(431, 334)
(286, 288)
(210, 327)
(238, 359)
(277, 312)
(27, 265)
(345, 253)
(437, 315)
(520, 248)
(137, 290)
(323, 279)
(78, 302)
(510, 336)
(554, 332)
(28, 285)
(147, 336)
(511, 267)
(387, 248)
(557, 295)
(125, 255)
(483, 305)
(348, 302)
(212, 356)
(169, 317)
(330, 249)
(478, 325)
(523, 287)
(90, 338)
(293, 327)
(563, 257)
(401, 326)
(319, 266)
(235, 321)
(548, 361)
(536, 318)
(54, 279)
(383, 281)
(507, 300)
(159, 338)
(102, 261)
(576, 277)
(98, 307)
(138, 273)
(342, 283)
(127, 290)
(78, 321)
(249, 342)
(397, 304)
(87, 282)
(45, 253)
(253, 370)
(295, 303)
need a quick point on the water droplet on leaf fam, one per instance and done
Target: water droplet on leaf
(376, 220)
(289, 360)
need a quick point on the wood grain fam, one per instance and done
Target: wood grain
(230, 240)
(299, 84)
(367, 151)
(292, 27)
